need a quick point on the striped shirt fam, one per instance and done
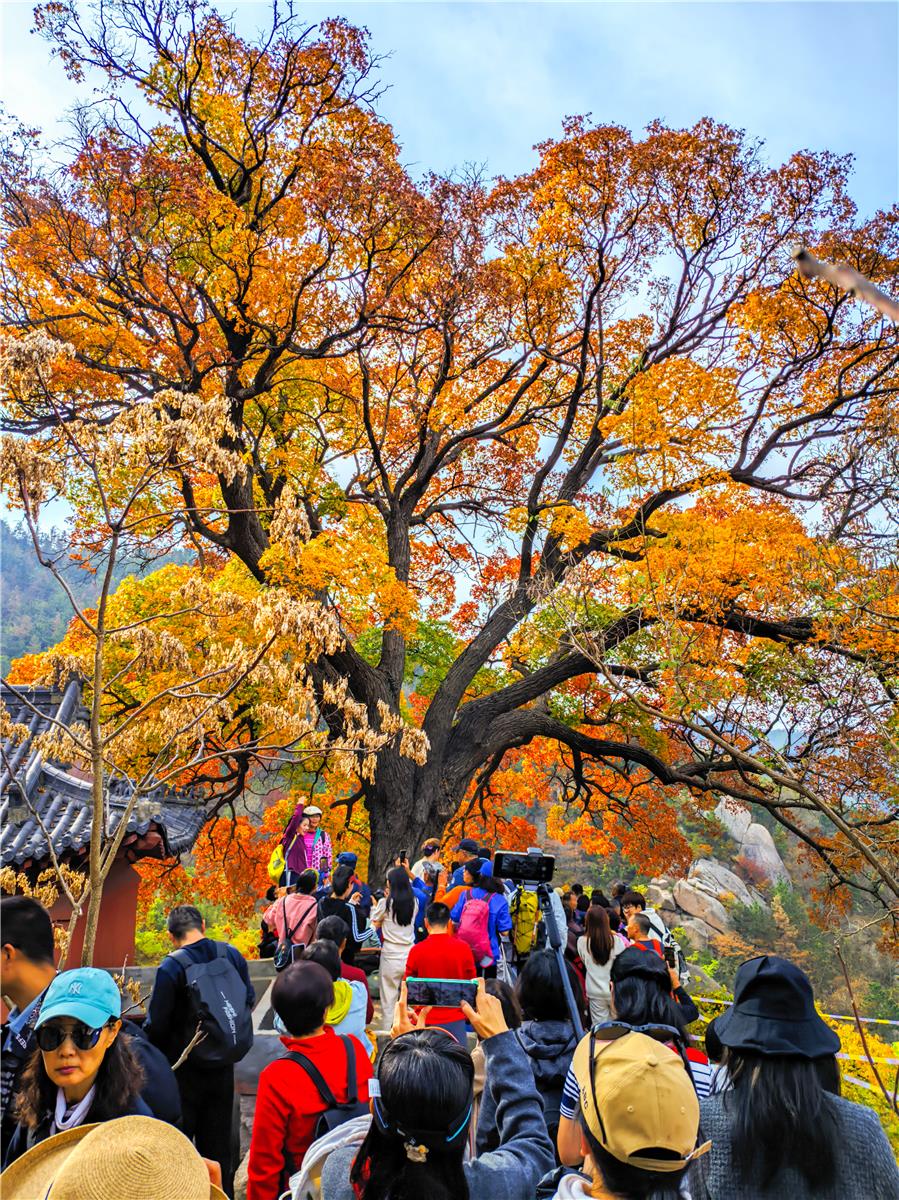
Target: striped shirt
(700, 1068)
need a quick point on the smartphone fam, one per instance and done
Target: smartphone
(446, 993)
(524, 868)
(403, 855)
(670, 956)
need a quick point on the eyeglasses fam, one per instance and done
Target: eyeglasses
(51, 1037)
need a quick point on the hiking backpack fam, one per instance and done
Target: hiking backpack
(336, 1111)
(286, 949)
(474, 928)
(525, 913)
(218, 1004)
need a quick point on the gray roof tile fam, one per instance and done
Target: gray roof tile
(63, 799)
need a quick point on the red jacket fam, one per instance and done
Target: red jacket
(348, 972)
(288, 1105)
(441, 956)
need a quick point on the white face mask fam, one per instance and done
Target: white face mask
(280, 1027)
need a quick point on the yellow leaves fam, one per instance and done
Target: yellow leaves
(567, 523)
(727, 549)
(349, 562)
(677, 421)
(571, 525)
(190, 657)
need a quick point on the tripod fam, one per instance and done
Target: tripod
(554, 936)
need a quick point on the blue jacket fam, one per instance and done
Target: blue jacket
(499, 919)
(423, 897)
(525, 1152)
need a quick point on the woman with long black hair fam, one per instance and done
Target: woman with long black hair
(421, 1110)
(598, 948)
(780, 1127)
(393, 915)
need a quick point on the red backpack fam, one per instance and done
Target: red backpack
(474, 928)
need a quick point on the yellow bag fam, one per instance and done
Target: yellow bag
(276, 864)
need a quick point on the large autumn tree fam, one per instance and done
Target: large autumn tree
(503, 429)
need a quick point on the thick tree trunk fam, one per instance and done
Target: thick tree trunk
(397, 815)
(408, 803)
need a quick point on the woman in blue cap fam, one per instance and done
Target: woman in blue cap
(82, 1072)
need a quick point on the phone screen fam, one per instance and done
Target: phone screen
(446, 993)
(669, 956)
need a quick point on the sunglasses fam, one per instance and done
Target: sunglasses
(610, 1031)
(51, 1037)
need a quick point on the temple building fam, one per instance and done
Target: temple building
(162, 824)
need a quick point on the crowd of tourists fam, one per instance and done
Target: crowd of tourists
(564, 1068)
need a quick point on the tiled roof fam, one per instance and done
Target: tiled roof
(162, 824)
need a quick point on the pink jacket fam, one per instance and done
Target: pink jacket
(302, 917)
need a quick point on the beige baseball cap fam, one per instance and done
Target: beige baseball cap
(640, 1099)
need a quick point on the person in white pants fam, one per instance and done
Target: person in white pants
(394, 916)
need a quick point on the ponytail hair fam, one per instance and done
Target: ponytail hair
(401, 902)
(425, 1078)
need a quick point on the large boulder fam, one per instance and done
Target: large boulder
(759, 853)
(659, 897)
(699, 932)
(719, 881)
(735, 817)
(755, 845)
(699, 903)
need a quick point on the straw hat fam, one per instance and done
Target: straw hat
(130, 1158)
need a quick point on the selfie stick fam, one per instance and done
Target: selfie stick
(555, 940)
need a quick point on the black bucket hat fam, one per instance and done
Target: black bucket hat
(774, 1012)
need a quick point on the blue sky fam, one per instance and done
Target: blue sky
(482, 82)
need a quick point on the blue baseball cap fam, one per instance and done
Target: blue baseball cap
(347, 858)
(87, 994)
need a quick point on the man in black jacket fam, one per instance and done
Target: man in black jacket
(207, 1089)
(26, 971)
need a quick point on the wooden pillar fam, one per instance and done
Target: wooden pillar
(118, 919)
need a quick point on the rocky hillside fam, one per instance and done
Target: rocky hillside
(700, 903)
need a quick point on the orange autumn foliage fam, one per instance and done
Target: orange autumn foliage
(593, 482)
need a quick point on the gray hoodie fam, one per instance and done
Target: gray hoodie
(550, 1047)
(525, 1153)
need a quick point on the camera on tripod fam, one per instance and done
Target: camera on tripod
(524, 868)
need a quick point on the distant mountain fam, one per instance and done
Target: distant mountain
(34, 610)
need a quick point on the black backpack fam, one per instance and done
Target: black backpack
(218, 1004)
(335, 1113)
